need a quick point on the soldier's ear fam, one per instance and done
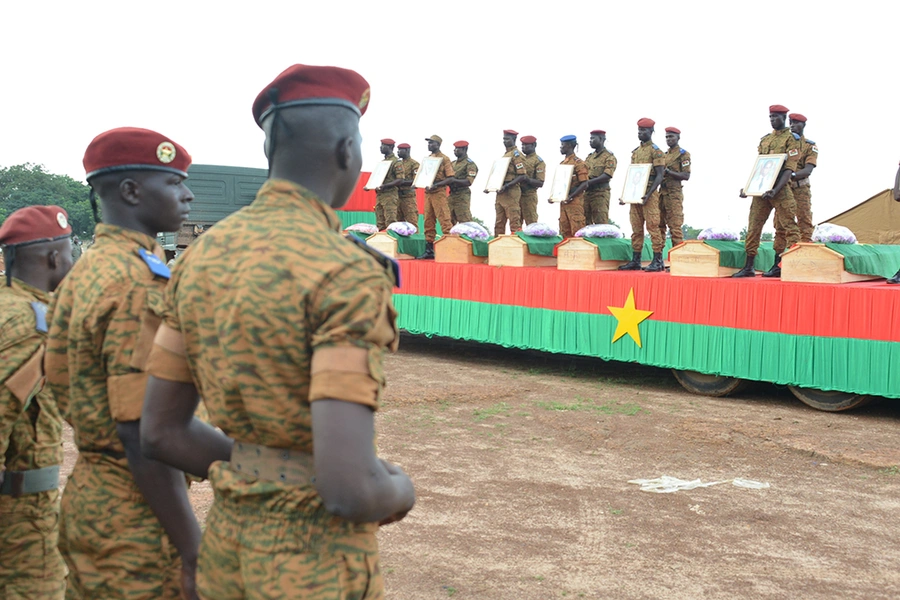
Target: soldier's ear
(344, 152)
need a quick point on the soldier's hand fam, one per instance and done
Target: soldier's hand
(188, 581)
(742, 194)
(768, 195)
(645, 199)
(486, 192)
(380, 188)
(621, 202)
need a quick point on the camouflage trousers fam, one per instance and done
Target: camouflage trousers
(409, 210)
(786, 231)
(571, 216)
(596, 207)
(649, 214)
(30, 564)
(803, 201)
(254, 554)
(528, 206)
(111, 541)
(436, 211)
(387, 205)
(460, 202)
(671, 213)
(507, 208)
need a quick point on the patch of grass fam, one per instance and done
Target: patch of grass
(451, 591)
(443, 404)
(501, 408)
(892, 470)
(581, 404)
(538, 577)
(615, 511)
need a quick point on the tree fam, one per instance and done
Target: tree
(767, 236)
(31, 185)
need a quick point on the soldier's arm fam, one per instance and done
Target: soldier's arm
(803, 173)
(595, 181)
(658, 172)
(782, 180)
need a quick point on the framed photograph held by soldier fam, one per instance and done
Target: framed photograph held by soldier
(497, 174)
(427, 171)
(378, 174)
(764, 174)
(562, 180)
(636, 179)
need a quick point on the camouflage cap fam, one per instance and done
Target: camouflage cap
(434, 138)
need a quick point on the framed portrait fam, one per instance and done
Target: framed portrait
(636, 178)
(497, 174)
(378, 174)
(562, 179)
(764, 174)
(427, 171)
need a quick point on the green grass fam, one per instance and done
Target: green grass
(892, 470)
(583, 405)
(501, 408)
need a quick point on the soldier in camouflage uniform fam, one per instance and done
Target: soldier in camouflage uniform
(464, 170)
(601, 164)
(36, 240)
(896, 278)
(507, 206)
(387, 197)
(409, 210)
(800, 187)
(437, 210)
(648, 212)
(124, 518)
(781, 141)
(302, 401)
(571, 210)
(535, 172)
(671, 198)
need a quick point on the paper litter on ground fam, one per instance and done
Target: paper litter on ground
(667, 485)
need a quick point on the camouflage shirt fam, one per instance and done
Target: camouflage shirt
(535, 168)
(648, 153)
(444, 171)
(516, 164)
(679, 160)
(809, 153)
(30, 425)
(579, 174)
(102, 323)
(395, 172)
(783, 141)
(464, 169)
(409, 168)
(599, 162)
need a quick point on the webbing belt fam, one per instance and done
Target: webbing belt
(16, 483)
(273, 464)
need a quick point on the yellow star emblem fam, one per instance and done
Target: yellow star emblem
(629, 318)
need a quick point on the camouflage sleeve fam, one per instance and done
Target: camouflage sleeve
(581, 172)
(518, 163)
(686, 162)
(397, 170)
(447, 167)
(792, 161)
(56, 354)
(21, 370)
(471, 172)
(611, 164)
(168, 357)
(812, 154)
(659, 158)
(353, 321)
(540, 170)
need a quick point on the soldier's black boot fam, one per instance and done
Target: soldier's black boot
(656, 265)
(429, 252)
(748, 270)
(634, 264)
(895, 278)
(775, 271)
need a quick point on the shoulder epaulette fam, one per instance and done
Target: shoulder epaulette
(468, 159)
(796, 137)
(40, 316)
(540, 159)
(155, 264)
(515, 153)
(384, 260)
(635, 148)
(655, 147)
(810, 142)
(683, 151)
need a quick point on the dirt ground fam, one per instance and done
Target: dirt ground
(522, 460)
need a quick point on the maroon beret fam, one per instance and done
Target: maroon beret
(598, 132)
(388, 141)
(403, 145)
(778, 108)
(305, 85)
(510, 132)
(645, 122)
(461, 144)
(797, 117)
(34, 224)
(134, 149)
(673, 130)
(528, 139)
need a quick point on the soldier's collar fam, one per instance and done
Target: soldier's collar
(301, 197)
(105, 231)
(30, 292)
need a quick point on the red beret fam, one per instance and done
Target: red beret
(598, 132)
(645, 122)
(778, 108)
(35, 224)
(134, 149)
(461, 144)
(797, 117)
(510, 132)
(304, 85)
(673, 130)
(388, 141)
(403, 145)
(528, 139)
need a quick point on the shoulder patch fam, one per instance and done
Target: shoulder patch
(156, 266)
(796, 136)
(384, 260)
(682, 151)
(815, 149)
(40, 316)
(793, 152)
(810, 142)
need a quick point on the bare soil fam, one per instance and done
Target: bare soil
(522, 460)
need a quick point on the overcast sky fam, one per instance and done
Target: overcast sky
(467, 71)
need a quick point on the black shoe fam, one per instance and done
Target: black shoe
(656, 265)
(748, 270)
(895, 278)
(429, 252)
(634, 264)
(775, 271)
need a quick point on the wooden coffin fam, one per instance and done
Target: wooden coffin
(512, 251)
(815, 263)
(456, 249)
(695, 258)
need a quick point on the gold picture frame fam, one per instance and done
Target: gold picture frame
(378, 174)
(635, 185)
(427, 171)
(562, 181)
(764, 174)
(497, 174)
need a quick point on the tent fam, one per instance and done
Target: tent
(874, 221)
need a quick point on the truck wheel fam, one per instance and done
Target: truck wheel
(707, 385)
(829, 401)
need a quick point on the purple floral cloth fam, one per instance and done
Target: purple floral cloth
(404, 228)
(829, 233)
(719, 233)
(599, 231)
(471, 229)
(367, 228)
(540, 230)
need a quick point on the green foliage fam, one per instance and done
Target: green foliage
(690, 233)
(30, 185)
(768, 236)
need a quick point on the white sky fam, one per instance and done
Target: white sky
(467, 71)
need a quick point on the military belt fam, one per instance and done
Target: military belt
(801, 183)
(273, 464)
(16, 483)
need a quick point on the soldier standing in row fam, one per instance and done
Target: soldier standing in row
(464, 170)
(648, 212)
(36, 243)
(300, 491)
(800, 187)
(781, 141)
(571, 210)
(437, 209)
(409, 209)
(535, 172)
(387, 197)
(506, 206)
(124, 518)
(601, 164)
(671, 197)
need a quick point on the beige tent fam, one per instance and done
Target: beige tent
(875, 221)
